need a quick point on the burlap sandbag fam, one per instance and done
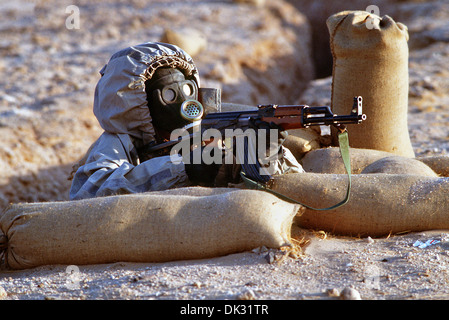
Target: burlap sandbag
(370, 59)
(439, 164)
(379, 204)
(301, 141)
(400, 165)
(145, 227)
(328, 160)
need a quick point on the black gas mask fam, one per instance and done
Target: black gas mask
(172, 99)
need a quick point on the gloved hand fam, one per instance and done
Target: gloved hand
(228, 173)
(200, 173)
(271, 153)
(257, 124)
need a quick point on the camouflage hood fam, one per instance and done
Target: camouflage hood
(120, 102)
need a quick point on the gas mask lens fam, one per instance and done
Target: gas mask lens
(187, 89)
(178, 92)
(168, 95)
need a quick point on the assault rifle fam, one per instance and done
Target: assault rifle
(285, 116)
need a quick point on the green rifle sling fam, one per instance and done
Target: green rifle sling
(344, 151)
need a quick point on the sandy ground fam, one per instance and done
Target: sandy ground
(393, 268)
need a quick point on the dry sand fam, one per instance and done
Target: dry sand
(378, 269)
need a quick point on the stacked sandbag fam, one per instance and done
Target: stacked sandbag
(379, 204)
(302, 141)
(438, 163)
(190, 223)
(400, 165)
(370, 59)
(328, 160)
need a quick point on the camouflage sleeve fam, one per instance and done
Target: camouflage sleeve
(112, 167)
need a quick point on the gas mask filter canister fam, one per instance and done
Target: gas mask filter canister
(191, 110)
